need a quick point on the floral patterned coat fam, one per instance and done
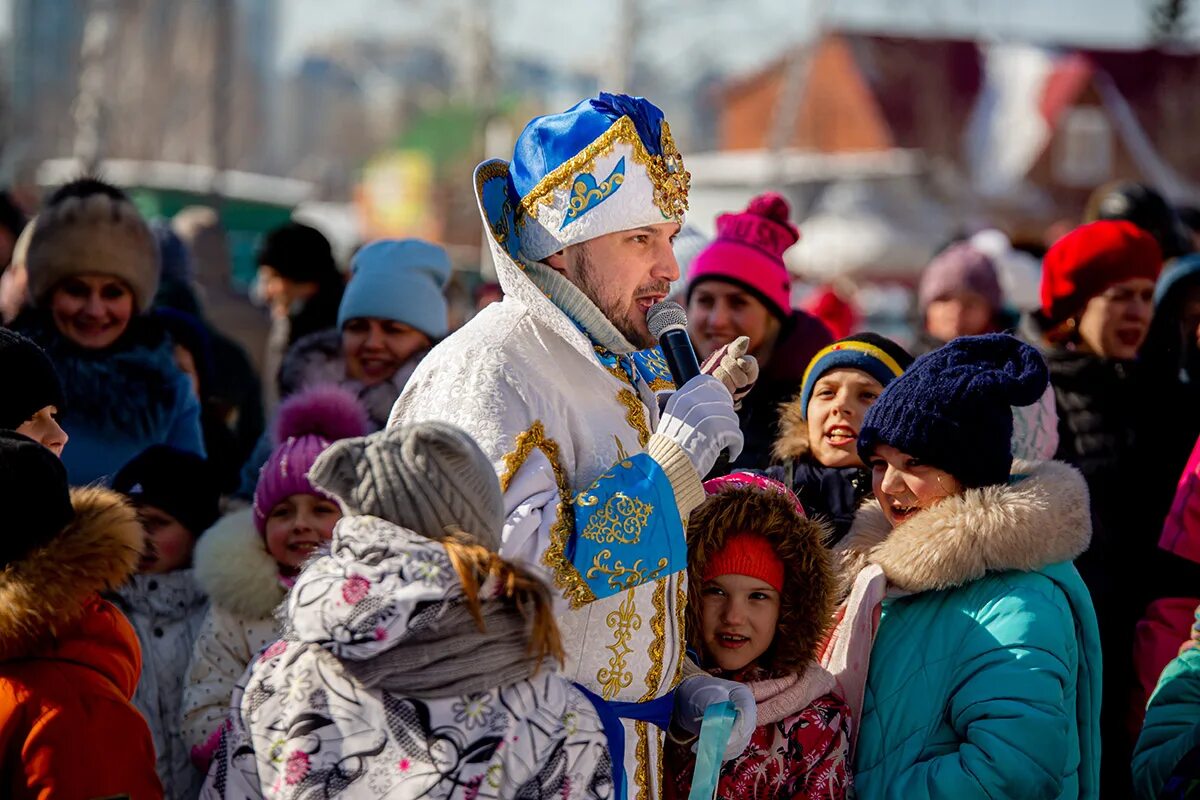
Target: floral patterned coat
(800, 757)
(304, 726)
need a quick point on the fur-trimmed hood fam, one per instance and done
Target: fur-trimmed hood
(49, 589)
(1040, 518)
(235, 570)
(793, 432)
(808, 592)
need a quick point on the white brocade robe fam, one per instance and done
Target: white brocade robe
(528, 386)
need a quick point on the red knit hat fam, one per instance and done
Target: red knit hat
(1092, 258)
(748, 252)
(747, 553)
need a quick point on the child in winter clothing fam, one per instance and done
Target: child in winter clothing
(177, 499)
(32, 394)
(416, 662)
(761, 596)
(247, 562)
(984, 674)
(819, 427)
(69, 661)
(1166, 762)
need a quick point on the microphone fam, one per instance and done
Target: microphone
(667, 322)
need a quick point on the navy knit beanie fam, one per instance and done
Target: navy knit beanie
(953, 407)
(876, 355)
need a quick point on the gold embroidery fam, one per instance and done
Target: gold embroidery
(641, 775)
(635, 415)
(566, 577)
(671, 181)
(622, 622)
(622, 519)
(620, 576)
(680, 627)
(621, 454)
(658, 624)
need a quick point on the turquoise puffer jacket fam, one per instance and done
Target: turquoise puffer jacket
(1172, 728)
(984, 677)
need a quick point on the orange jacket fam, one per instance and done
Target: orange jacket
(69, 663)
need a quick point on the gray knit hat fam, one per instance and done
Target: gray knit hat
(429, 477)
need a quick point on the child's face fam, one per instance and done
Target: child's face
(839, 401)
(903, 485)
(738, 615)
(297, 526)
(168, 544)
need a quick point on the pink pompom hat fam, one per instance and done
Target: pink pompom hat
(307, 424)
(748, 252)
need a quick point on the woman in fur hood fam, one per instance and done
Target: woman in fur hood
(984, 675)
(69, 660)
(416, 662)
(761, 596)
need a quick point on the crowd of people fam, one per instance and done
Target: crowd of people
(518, 559)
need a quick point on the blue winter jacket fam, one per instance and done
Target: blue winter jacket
(120, 400)
(984, 676)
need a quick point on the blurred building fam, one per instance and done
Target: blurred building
(1025, 131)
(162, 74)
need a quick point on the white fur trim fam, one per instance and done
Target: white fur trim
(234, 568)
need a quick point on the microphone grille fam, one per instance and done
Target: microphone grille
(664, 315)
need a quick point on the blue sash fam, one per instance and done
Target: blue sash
(656, 711)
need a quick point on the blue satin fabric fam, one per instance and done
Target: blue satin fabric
(549, 142)
(657, 712)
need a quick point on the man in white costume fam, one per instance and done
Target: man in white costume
(560, 384)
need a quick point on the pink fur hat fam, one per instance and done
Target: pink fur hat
(308, 423)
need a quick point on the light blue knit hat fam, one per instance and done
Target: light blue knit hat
(401, 280)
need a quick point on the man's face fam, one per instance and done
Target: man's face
(624, 274)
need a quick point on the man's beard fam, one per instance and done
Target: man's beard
(589, 281)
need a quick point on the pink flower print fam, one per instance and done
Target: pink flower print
(405, 765)
(471, 790)
(355, 589)
(275, 649)
(380, 633)
(297, 767)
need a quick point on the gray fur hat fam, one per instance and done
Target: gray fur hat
(429, 477)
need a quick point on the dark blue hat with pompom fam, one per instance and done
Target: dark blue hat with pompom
(953, 407)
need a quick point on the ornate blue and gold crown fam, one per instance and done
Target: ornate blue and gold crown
(608, 164)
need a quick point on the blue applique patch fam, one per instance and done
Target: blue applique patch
(627, 528)
(586, 194)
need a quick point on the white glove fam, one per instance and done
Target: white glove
(699, 417)
(697, 693)
(732, 367)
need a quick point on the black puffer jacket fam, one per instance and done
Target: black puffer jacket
(802, 336)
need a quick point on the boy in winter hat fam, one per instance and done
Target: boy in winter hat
(413, 650)
(819, 427)
(761, 597)
(33, 394)
(69, 660)
(177, 499)
(249, 560)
